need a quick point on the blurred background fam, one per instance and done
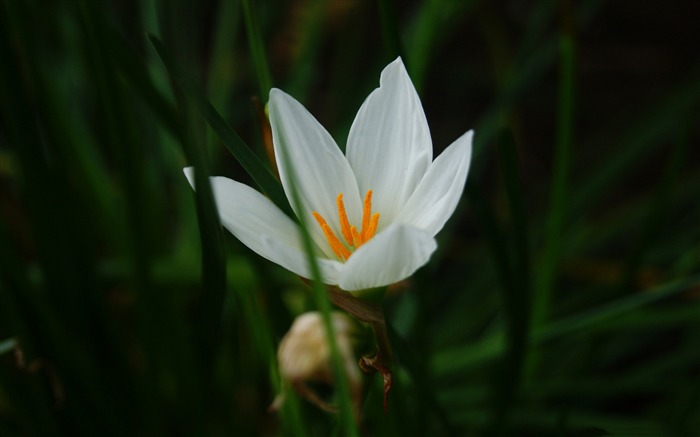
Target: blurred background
(563, 299)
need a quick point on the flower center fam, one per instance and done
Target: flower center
(352, 236)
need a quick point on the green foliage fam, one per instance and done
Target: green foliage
(564, 298)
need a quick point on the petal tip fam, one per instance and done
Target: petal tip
(470, 136)
(275, 92)
(465, 141)
(278, 98)
(395, 67)
(470, 141)
(398, 61)
(189, 174)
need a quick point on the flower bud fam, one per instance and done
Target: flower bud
(304, 357)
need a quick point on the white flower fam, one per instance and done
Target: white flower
(373, 213)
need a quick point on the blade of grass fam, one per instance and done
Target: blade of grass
(304, 71)
(545, 420)
(559, 194)
(202, 386)
(135, 74)
(457, 359)
(212, 239)
(346, 415)
(638, 140)
(245, 289)
(257, 50)
(658, 210)
(516, 297)
(418, 373)
(260, 173)
(125, 137)
(32, 400)
(686, 421)
(222, 77)
(651, 318)
(597, 232)
(618, 307)
(434, 22)
(347, 420)
(521, 76)
(60, 312)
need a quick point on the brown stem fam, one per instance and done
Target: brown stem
(374, 315)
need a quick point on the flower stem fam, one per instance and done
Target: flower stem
(373, 314)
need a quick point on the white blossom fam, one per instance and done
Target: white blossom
(372, 213)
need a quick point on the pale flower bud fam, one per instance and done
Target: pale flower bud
(305, 357)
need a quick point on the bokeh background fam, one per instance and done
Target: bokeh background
(563, 300)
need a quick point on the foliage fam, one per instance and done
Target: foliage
(563, 299)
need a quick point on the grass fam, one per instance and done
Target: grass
(562, 300)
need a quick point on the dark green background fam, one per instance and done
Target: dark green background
(563, 299)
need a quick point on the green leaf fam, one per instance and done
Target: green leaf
(257, 50)
(243, 154)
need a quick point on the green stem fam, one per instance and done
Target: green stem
(558, 194)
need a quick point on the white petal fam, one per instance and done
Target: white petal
(391, 256)
(389, 146)
(321, 170)
(295, 260)
(264, 228)
(438, 193)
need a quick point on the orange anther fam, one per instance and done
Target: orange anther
(344, 222)
(366, 212)
(372, 227)
(354, 238)
(335, 244)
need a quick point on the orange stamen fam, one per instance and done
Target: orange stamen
(335, 244)
(366, 212)
(354, 238)
(344, 222)
(372, 227)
